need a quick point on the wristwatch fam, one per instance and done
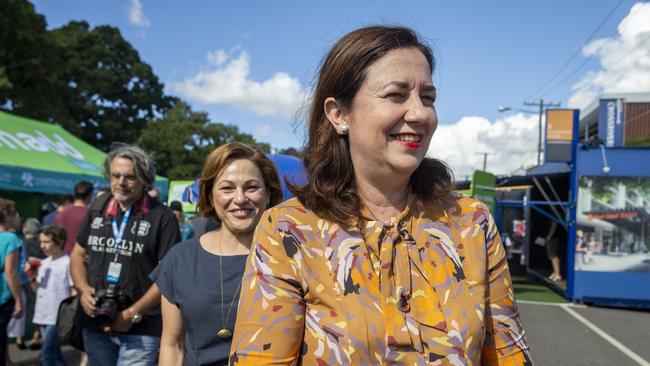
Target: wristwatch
(136, 318)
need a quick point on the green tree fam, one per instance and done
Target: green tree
(5, 84)
(30, 64)
(292, 152)
(182, 138)
(112, 92)
(604, 188)
(91, 81)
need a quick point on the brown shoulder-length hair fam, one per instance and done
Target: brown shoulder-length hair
(219, 159)
(331, 189)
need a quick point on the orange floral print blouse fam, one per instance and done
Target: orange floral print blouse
(431, 287)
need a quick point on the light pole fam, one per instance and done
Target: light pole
(485, 155)
(541, 106)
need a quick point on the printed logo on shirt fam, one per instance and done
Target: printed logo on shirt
(45, 280)
(97, 223)
(143, 228)
(107, 245)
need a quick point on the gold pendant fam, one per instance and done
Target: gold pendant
(224, 333)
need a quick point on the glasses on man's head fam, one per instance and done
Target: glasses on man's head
(127, 177)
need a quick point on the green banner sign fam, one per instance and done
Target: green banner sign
(43, 146)
(482, 187)
(176, 189)
(43, 157)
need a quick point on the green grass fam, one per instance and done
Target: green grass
(536, 292)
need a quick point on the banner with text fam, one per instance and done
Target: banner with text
(610, 122)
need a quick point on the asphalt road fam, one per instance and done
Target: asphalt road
(557, 338)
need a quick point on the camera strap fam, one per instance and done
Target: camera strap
(115, 268)
(118, 233)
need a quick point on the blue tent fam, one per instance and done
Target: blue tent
(289, 168)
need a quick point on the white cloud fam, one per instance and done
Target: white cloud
(512, 141)
(624, 60)
(218, 57)
(136, 15)
(228, 82)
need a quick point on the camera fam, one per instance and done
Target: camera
(109, 302)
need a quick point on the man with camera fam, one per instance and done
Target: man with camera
(120, 242)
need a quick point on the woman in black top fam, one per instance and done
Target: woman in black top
(200, 279)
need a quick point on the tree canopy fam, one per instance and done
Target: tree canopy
(30, 62)
(114, 92)
(91, 81)
(181, 139)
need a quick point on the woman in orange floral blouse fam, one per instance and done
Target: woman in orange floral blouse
(376, 261)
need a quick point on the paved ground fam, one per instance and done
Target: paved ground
(31, 358)
(557, 338)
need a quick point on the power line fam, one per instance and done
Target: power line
(574, 71)
(618, 61)
(627, 121)
(577, 52)
(637, 117)
(630, 51)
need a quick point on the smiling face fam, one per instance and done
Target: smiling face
(126, 187)
(392, 116)
(239, 196)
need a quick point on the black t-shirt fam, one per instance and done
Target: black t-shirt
(146, 240)
(189, 277)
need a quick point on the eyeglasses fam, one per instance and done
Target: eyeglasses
(128, 177)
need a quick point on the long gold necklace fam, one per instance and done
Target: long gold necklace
(225, 332)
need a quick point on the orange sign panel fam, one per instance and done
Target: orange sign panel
(559, 125)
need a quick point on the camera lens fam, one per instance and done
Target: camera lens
(106, 312)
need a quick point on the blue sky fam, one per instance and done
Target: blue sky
(251, 63)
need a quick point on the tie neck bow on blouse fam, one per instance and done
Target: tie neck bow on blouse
(409, 299)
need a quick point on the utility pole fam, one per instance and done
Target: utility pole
(485, 155)
(541, 106)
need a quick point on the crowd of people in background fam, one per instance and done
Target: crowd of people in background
(36, 263)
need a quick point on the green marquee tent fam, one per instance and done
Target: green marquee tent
(45, 158)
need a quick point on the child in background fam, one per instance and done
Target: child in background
(186, 228)
(53, 285)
